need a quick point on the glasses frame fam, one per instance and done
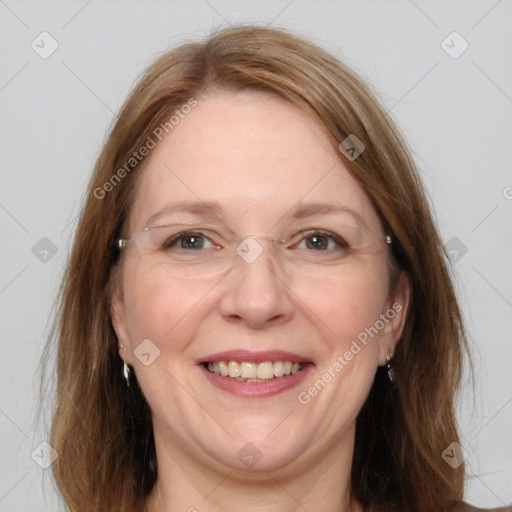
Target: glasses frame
(122, 242)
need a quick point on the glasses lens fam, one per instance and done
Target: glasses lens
(184, 250)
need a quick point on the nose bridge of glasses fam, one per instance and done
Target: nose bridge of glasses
(263, 237)
(250, 249)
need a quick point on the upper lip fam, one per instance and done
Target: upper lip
(254, 357)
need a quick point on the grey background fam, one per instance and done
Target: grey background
(455, 113)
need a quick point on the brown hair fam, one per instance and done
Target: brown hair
(102, 430)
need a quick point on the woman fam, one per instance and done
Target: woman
(257, 313)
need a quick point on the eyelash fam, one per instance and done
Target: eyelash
(339, 241)
(170, 242)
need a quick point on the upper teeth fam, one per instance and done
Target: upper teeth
(246, 370)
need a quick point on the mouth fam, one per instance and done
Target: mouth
(247, 371)
(255, 374)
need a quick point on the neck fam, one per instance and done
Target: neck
(305, 484)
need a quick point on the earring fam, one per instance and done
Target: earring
(391, 372)
(126, 373)
(126, 370)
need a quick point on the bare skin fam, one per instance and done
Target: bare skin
(257, 157)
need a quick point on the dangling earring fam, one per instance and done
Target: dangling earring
(126, 373)
(126, 370)
(391, 372)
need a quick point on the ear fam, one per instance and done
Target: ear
(118, 319)
(394, 318)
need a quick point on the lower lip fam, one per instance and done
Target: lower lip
(257, 389)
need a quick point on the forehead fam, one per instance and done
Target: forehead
(254, 154)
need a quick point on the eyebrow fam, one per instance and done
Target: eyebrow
(301, 210)
(214, 209)
(197, 208)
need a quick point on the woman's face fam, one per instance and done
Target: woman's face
(238, 165)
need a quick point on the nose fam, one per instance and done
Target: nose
(255, 289)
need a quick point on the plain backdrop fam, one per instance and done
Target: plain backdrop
(454, 105)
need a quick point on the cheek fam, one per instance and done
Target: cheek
(347, 305)
(348, 308)
(162, 309)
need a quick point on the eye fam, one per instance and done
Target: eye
(321, 241)
(188, 241)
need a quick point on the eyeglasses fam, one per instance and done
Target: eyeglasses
(186, 250)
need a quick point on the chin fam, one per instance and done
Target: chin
(253, 458)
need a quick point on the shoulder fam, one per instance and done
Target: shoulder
(466, 507)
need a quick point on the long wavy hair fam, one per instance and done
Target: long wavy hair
(102, 430)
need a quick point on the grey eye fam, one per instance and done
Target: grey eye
(191, 242)
(321, 241)
(187, 241)
(317, 241)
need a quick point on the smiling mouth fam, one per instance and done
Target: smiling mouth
(254, 372)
